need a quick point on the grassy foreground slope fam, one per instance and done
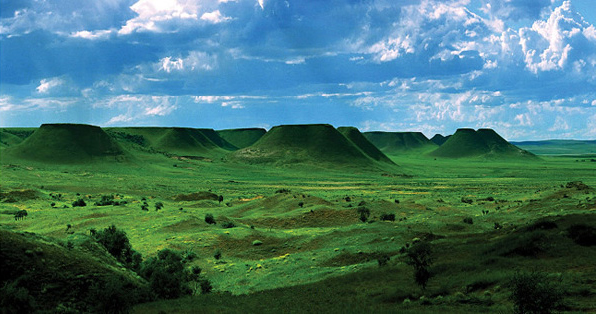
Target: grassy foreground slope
(242, 137)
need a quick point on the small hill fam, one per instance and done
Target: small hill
(179, 141)
(439, 139)
(67, 144)
(13, 136)
(399, 142)
(312, 144)
(354, 135)
(242, 137)
(484, 143)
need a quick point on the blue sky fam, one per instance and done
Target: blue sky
(526, 68)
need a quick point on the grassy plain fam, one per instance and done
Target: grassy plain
(316, 255)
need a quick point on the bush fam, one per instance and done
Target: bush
(116, 243)
(283, 191)
(167, 276)
(105, 200)
(420, 257)
(535, 293)
(111, 296)
(469, 220)
(158, 206)
(582, 234)
(383, 260)
(209, 219)
(388, 217)
(15, 299)
(363, 213)
(206, 286)
(217, 254)
(228, 224)
(80, 203)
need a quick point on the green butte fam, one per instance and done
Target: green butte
(368, 148)
(399, 142)
(484, 143)
(181, 141)
(242, 137)
(68, 143)
(439, 139)
(313, 144)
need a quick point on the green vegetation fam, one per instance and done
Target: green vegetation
(400, 142)
(298, 236)
(536, 293)
(242, 138)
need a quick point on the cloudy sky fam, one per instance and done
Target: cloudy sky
(526, 68)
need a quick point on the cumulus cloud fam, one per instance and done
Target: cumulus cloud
(158, 15)
(46, 85)
(214, 17)
(516, 9)
(195, 61)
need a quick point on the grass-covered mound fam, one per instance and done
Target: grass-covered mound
(313, 144)
(368, 148)
(178, 141)
(399, 142)
(242, 137)
(439, 139)
(68, 144)
(485, 143)
(14, 136)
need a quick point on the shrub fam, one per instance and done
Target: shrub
(383, 260)
(158, 206)
(15, 299)
(301, 204)
(209, 219)
(469, 220)
(535, 292)
(111, 296)
(167, 276)
(116, 243)
(419, 256)
(363, 213)
(543, 225)
(228, 224)
(283, 191)
(466, 200)
(388, 217)
(145, 206)
(206, 286)
(220, 199)
(217, 254)
(105, 200)
(80, 202)
(582, 234)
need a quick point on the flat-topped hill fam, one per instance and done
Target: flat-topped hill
(482, 143)
(399, 142)
(68, 143)
(242, 137)
(314, 144)
(354, 135)
(439, 139)
(174, 140)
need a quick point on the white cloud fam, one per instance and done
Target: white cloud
(559, 125)
(232, 104)
(46, 85)
(214, 17)
(195, 61)
(120, 118)
(93, 35)
(160, 110)
(155, 15)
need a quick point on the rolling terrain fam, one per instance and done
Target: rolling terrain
(308, 215)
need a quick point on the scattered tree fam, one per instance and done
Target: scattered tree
(535, 292)
(209, 219)
(80, 203)
(158, 206)
(363, 213)
(419, 256)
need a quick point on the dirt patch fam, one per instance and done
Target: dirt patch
(325, 217)
(19, 196)
(189, 224)
(197, 196)
(347, 258)
(270, 247)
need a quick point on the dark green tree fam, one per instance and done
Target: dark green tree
(419, 256)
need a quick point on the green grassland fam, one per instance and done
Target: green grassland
(313, 252)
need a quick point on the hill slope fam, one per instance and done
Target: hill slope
(484, 143)
(314, 144)
(399, 142)
(242, 137)
(68, 143)
(179, 141)
(439, 139)
(354, 135)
